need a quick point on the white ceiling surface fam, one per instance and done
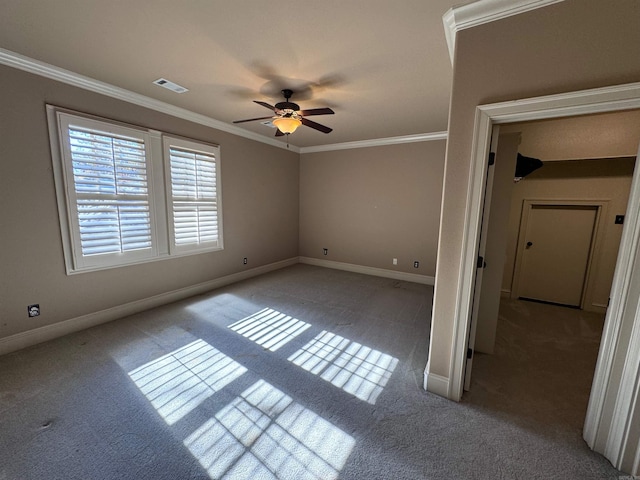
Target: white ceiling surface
(382, 66)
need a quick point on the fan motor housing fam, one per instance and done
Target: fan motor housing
(287, 106)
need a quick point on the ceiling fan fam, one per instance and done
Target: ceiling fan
(288, 116)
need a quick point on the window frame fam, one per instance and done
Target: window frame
(158, 192)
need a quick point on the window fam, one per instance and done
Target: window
(193, 211)
(121, 203)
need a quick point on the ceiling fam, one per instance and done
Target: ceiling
(382, 66)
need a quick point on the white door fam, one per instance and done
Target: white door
(555, 254)
(481, 252)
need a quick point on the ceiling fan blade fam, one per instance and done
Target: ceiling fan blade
(316, 111)
(252, 119)
(265, 104)
(316, 126)
(279, 133)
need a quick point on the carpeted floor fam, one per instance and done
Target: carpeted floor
(539, 378)
(303, 373)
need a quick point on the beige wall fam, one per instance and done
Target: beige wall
(605, 135)
(568, 46)
(366, 205)
(608, 180)
(370, 205)
(260, 210)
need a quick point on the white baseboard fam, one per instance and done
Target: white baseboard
(378, 272)
(436, 384)
(65, 327)
(49, 332)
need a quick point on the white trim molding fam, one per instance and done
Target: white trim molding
(434, 383)
(377, 272)
(421, 137)
(30, 65)
(613, 394)
(50, 332)
(484, 11)
(52, 72)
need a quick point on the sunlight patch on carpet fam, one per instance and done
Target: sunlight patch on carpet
(357, 369)
(264, 434)
(269, 328)
(179, 381)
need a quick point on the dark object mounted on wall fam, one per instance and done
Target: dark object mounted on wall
(524, 166)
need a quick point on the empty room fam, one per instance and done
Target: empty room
(250, 241)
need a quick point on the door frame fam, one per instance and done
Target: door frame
(612, 401)
(600, 206)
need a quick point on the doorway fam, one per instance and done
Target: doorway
(541, 370)
(555, 238)
(611, 426)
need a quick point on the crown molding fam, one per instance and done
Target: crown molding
(52, 72)
(37, 67)
(377, 142)
(484, 11)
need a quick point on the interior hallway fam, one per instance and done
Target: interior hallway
(540, 374)
(302, 373)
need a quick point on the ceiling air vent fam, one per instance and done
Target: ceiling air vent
(174, 87)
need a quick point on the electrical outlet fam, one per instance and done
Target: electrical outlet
(416, 264)
(244, 260)
(325, 251)
(395, 261)
(33, 310)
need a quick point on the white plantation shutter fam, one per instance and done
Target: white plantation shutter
(194, 195)
(110, 178)
(107, 176)
(118, 205)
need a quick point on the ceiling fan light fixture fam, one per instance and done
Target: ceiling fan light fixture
(287, 125)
